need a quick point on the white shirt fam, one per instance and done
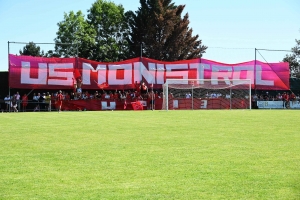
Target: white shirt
(7, 99)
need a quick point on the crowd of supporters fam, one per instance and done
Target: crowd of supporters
(47, 101)
(284, 96)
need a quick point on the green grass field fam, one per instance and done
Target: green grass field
(217, 154)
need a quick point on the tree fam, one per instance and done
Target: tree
(294, 60)
(75, 37)
(31, 49)
(157, 27)
(108, 21)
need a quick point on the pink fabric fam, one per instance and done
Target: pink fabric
(58, 73)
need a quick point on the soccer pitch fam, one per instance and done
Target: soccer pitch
(206, 154)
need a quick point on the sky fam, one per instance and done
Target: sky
(232, 29)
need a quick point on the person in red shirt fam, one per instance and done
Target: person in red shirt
(137, 86)
(67, 97)
(292, 97)
(111, 95)
(116, 95)
(156, 95)
(59, 100)
(143, 90)
(285, 99)
(24, 102)
(87, 95)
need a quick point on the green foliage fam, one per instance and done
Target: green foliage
(219, 154)
(294, 60)
(31, 49)
(99, 37)
(109, 34)
(108, 21)
(163, 33)
(75, 37)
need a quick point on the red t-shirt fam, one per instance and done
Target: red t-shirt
(24, 100)
(116, 96)
(59, 97)
(284, 97)
(292, 96)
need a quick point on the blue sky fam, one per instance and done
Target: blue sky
(232, 29)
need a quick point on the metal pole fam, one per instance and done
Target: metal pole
(230, 96)
(193, 96)
(8, 77)
(152, 97)
(255, 71)
(250, 96)
(167, 95)
(141, 50)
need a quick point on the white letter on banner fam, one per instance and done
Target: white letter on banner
(259, 80)
(86, 73)
(217, 73)
(55, 73)
(182, 74)
(140, 70)
(101, 73)
(237, 73)
(160, 75)
(200, 70)
(112, 74)
(42, 74)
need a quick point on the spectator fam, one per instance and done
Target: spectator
(137, 86)
(59, 100)
(132, 95)
(285, 99)
(122, 95)
(42, 101)
(35, 100)
(292, 98)
(24, 102)
(156, 94)
(14, 104)
(151, 97)
(67, 97)
(48, 101)
(188, 95)
(7, 102)
(266, 96)
(143, 90)
(18, 99)
(116, 96)
(72, 96)
(97, 95)
(279, 97)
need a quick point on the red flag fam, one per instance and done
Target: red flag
(137, 105)
(103, 85)
(76, 74)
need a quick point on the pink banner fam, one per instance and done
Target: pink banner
(60, 73)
